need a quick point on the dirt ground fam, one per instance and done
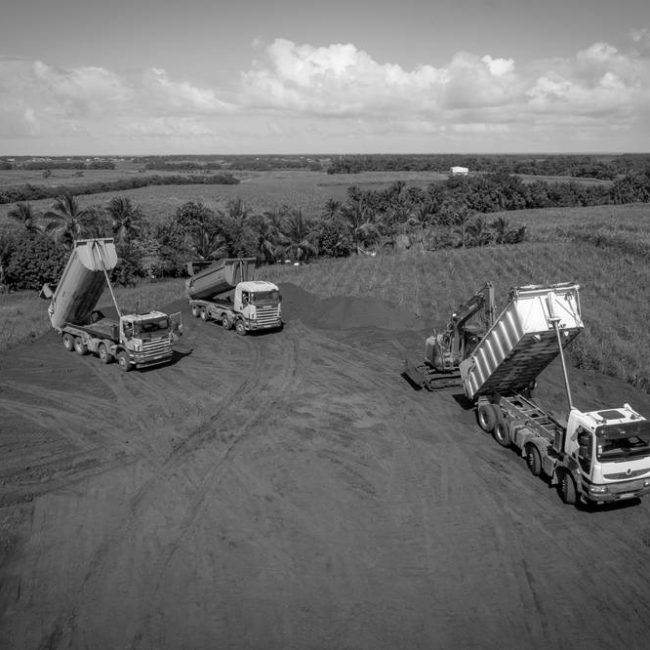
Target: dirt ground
(290, 490)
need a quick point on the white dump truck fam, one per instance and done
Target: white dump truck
(134, 340)
(595, 456)
(225, 292)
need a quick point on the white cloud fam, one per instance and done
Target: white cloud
(338, 93)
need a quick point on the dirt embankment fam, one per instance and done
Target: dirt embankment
(291, 490)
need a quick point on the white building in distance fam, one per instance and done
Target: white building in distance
(459, 171)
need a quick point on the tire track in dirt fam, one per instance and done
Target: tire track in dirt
(195, 480)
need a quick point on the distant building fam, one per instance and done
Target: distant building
(459, 171)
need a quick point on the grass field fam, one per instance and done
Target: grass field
(259, 190)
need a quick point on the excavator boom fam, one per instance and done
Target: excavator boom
(445, 350)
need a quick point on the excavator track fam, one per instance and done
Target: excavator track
(424, 376)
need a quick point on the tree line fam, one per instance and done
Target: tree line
(605, 167)
(29, 192)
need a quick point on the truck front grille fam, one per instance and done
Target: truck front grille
(267, 316)
(155, 348)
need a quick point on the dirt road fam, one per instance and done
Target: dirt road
(290, 490)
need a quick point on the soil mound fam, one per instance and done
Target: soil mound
(341, 312)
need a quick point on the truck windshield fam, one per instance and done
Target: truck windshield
(152, 326)
(262, 298)
(615, 441)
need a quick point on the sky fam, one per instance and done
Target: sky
(137, 77)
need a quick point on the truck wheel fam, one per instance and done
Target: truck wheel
(123, 361)
(567, 488)
(240, 327)
(68, 342)
(104, 355)
(501, 432)
(225, 322)
(533, 460)
(204, 314)
(486, 416)
(196, 311)
(79, 346)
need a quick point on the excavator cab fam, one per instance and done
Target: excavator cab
(445, 350)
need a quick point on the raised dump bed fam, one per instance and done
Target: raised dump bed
(523, 340)
(219, 278)
(82, 282)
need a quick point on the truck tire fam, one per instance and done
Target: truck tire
(567, 488)
(204, 314)
(68, 342)
(225, 322)
(196, 312)
(501, 432)
(80, 346)
(240, 328)
(123, 361)
(486, 416)
(533, 459)
(104, 355)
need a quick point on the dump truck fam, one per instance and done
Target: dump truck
(225, 292)
(594, 457)
(134, 340)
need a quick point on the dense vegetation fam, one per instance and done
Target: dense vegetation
(247, 163)
(398, 217)
(593, 166)
(30, 192)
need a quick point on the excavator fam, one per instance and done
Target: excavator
(443, 351)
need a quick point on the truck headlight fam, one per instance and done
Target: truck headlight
(646, 483)
(598, 489)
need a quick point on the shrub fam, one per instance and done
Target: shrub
(334, 239)
(35, 259)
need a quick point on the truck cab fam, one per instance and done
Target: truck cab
(259, 304)
(609, 451)
(147, 338)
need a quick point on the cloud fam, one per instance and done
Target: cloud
(298, 96)
(37, 99)
(599, 82)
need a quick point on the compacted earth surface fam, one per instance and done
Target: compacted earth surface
(290, 489)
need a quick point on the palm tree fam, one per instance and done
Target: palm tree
(205, 229)
(267, 234)
(359, 218)
(299, 237)
(126, 219)
(67, 220)
(332, 208)
(24, 213)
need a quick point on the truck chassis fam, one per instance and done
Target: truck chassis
(222, 312)
(520, 422)
(101, 339)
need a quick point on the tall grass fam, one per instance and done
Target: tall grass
(615, 295)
